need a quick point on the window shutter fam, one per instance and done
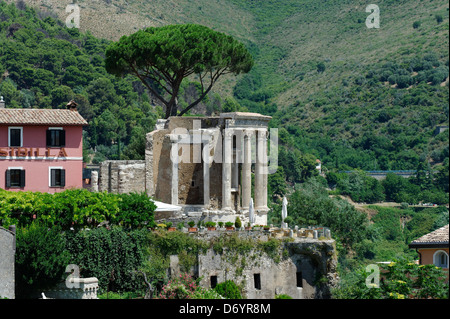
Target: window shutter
(22, 178)
(62, 138)
(63, 177)
(49, 138)
(52, 178)
(8, 178)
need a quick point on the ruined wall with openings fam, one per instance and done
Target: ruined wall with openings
(301, 268)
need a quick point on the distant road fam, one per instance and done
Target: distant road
(383, 204)
(379, 175)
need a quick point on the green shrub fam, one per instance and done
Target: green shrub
(229, 290)
(41, 258)
(203, 293)
(210, 224)
(113, 256)
(136, 210)
(238, 223)
(403, 279)
(76, 208)
(229, 224)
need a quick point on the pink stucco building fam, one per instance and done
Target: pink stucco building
(41, 149)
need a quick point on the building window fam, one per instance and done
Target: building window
(213, 281)
(57, 177)
(15, 177)
(257, 281)
(15, 138)
(56, 137)
(299, 279)
(440, 259)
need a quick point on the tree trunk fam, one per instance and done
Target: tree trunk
(174, 107)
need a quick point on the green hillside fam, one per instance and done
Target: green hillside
(355, 97)
(43, 64)
(352, 96)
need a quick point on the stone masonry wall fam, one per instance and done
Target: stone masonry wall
(7, 258)
(303, 268)
(122, 176)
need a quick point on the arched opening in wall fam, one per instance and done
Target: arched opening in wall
(440, 259)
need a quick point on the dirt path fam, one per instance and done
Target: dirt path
(363, 207)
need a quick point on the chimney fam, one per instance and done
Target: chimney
(72, 105)
(2, 103)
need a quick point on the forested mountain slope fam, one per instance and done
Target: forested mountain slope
(352, 96)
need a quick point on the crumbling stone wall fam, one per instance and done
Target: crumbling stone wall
(163, 171)
(153, 149)
(7, 258)
(301, 268)
(122, 176)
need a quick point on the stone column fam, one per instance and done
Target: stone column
(149, 181)
(94, 181)
(261, 170)
(265, 169)
(227, 156)
(174, 159)
(206, 156)
(235, 169)
(247, 170)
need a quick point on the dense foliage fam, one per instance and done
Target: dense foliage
(114, 256)
(400, 279)
(43, 64)
(76, 208)
(425, 186)
(228, 289)
(375, 234)
(354, 99)
(311, 205)
(41, 258)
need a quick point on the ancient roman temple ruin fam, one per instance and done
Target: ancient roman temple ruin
(210, 166)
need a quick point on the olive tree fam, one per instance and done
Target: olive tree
(162, 57)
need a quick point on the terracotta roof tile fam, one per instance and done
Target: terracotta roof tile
(41, 117)
(439, 236)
